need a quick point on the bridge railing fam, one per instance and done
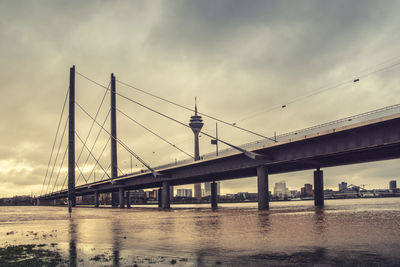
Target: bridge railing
(366, 116)
(370, 115)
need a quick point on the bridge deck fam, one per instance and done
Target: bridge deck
(352, 142)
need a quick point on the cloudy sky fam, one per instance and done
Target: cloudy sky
(240, 58)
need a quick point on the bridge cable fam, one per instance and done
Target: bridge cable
(76, 164)
(179, 105)
(144, 127)
(121, 143)
(65, 179)
(105, 146)
(55, 139)
(91, 127)
(320, 90)
(381, 69)
(102, 177)
(58, 151)
(101, 154)
(85, 139)
(192, 110)
(299, 98)
(76, 133)
(247, 153)
(59, 170)
(120, 171)
(94, 144)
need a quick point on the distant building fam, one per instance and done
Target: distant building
(137, 196)
(246, 196)
(184, 192)
(207, 188)
(280, 190)
(17, 200)
(153, 195)
(294, 194)
(392, 184)
(307, 191)
(105, 198)
(342, 186)
(85, 199)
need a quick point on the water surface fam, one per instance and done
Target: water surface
(346, 233)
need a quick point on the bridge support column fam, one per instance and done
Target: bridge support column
(263, 190)
(121, 197)
(96, 199)
(165, 203)
(128, 199)
(318, 188)
(114, 199)
(159, 193)
(214, 195)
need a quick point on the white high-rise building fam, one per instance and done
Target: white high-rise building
(280, 190)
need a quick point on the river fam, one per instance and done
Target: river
(348, 232)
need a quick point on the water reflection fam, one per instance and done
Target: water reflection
(73, 257)
(319, 221)
(263, 222)
(210, 232)
(116, 241)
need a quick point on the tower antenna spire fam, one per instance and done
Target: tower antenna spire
(195, 105)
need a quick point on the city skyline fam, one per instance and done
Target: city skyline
(282, 78)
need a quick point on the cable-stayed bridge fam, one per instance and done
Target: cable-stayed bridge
(371, 136)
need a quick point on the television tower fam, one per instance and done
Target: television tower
(196, 123)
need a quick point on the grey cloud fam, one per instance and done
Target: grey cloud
(239, 57)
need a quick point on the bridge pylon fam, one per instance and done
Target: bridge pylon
(71, 140)
(115, 195)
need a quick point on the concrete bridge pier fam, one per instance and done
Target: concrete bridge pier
(159, 193)
(114, 199)
(96, 199)
(263, 190)
(165, 202)
(128, 199)
(121, 197)
(214, 195)
(318, 188)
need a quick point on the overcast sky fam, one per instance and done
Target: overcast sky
(240, 58)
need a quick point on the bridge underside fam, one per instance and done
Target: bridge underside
(373, 141)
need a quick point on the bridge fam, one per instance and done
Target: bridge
(371, 136)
